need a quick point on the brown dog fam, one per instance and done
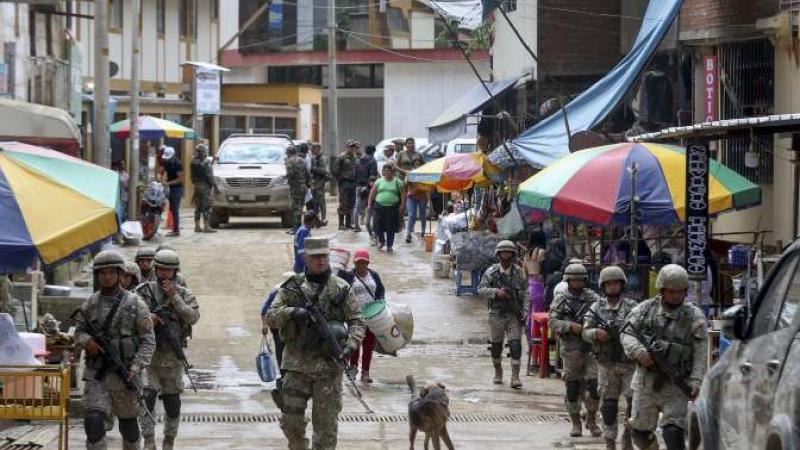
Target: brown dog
(428, 412)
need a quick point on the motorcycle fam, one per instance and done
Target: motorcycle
(154, 201)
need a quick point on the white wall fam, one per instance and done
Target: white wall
(8, 11)
(422, 29)
(229, 21)
(510, 59)
(416, 93)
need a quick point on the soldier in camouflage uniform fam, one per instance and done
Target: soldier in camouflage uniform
(319, 176)
(616, 370)
(681, 328)
(130, 276)
(144, 259)
(203, 179)
(505, 287)
(345, 173)
(299, 182)
(580, 365)
(309, 370)
(180, 280)
(125, 320)
(165, 375)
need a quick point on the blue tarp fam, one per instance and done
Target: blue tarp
(547, 141)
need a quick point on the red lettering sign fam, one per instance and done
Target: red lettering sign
(710, 84)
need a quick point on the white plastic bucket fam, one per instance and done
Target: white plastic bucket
(441, 266)
(381, 322)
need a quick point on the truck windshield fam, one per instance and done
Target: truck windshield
(251, 153)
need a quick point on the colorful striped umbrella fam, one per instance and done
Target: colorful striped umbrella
(457, 172)
(51, 205)
(151, 128)
(595, 185)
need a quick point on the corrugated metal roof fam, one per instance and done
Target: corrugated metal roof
(777, 123)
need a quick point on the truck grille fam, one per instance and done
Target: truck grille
(247, 183)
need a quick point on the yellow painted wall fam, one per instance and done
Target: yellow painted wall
(288, 94)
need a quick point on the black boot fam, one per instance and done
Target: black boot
(341, 222)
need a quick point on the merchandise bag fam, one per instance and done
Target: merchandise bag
(264, 364)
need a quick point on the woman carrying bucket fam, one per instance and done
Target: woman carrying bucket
(368, 289)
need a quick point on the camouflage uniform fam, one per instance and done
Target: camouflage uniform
(319, 176)
(580, 365)
(203, 179)
(506, 317)
(682, 331)
(131, 333)
(165, 375)
(345, 173)
(308, 369)
(616, 369)
(299, 182)
(406, 160)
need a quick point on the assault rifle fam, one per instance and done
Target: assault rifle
(659, 356)
(508, 286)
(111, 360)
(320, 323)
(574, 313)
(176, 346)
(611, 328)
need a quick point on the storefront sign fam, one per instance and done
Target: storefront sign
(710, 78)
(207, 91)
(276, 15)
(697, 222)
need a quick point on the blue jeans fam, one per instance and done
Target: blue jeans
(414, 206)
(175, 194)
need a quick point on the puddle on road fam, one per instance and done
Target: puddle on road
(239, 332)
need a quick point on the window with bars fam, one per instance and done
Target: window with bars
(747, 74)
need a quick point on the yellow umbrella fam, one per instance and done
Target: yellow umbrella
(457, 172)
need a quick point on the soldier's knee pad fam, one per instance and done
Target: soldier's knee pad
(129, 429)
(497, 350)
(642, 438)
(610, 410)
(94, 424)
(515, 347)
(573, 391)
(674, 437)
(172, 405)
(150, 396)
(591, 386)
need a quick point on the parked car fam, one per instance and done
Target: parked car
(750, 399)
(461, 145)
(433, 151)
(250, 174)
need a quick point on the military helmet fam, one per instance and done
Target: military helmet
(133, 269)
(108, 259)
(505, 246)
(145, 253)
(576, 271)
(612, 273)
(164, 246)
(167, 259)
(672, 276)
(201, 147)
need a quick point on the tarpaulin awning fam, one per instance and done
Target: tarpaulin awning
(452, 123)
(469, 14)
(547, 141)
(38, 125)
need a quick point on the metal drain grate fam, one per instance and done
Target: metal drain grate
(376, 418)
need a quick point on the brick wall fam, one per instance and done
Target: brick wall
(573, 43)
(703, 14)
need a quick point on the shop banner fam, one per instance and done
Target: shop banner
(207, 83)
(697, 222)
(710, 83)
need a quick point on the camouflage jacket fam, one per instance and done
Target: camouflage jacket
(183, 310)
(201, 173)
(345, 168)
(405, 160)
(562, 311)
(682, 332)
(297, 175)
(130, 332)
(304, 350)
(319, 172)
(610, 351)
(515, 284)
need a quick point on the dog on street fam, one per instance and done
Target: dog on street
(428, 412)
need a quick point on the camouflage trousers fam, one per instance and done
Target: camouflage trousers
(319, 199)
(202, 201)
(298, 202)
(347, 199)
(669, 401)
(580, 372)
(162, 381)
(110, 396)
(614, 380)
(326, 395)
(504, 326)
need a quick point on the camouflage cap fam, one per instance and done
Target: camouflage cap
(317, 246)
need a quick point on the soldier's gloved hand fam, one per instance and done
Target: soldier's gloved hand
(601, 335)
(157, 321)
(501, 294)
(93, 348)
(575, 328)
(298, 314)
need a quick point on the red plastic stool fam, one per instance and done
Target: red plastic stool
(540, 342)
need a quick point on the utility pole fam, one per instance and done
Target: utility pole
(333, 102)
(101, 150)
(133, 159)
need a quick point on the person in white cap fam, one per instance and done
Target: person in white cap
(172, 168)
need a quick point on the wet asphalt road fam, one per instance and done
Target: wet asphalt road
(231, 271)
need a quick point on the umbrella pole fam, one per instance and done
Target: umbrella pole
(634, 237)
(37, 266)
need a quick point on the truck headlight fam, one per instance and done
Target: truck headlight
(279, 181)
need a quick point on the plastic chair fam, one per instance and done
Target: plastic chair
(539, 345)
(467, 288)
